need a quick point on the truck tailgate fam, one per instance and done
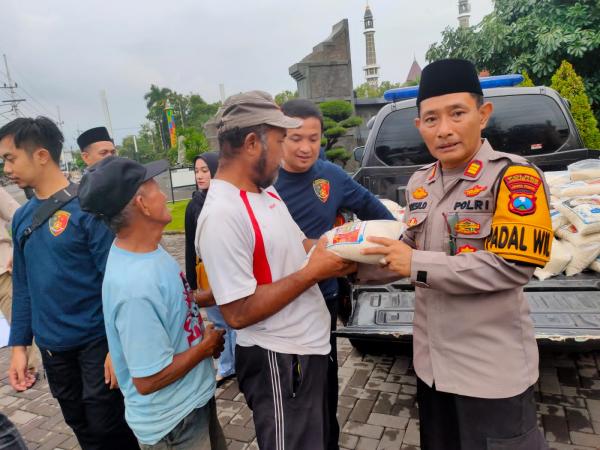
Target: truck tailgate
(565, 309)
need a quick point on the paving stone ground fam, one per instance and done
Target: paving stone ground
(376, 410)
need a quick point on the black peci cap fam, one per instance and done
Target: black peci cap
(92, 135)
(111, 183)
(448, 76)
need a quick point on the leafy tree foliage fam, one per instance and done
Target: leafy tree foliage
(337, 120)
(534, 36)
(284, 96)
(527, 81)
(570, 85)
(365, 90)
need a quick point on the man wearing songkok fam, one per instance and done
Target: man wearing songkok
(95, 144)
(479, 224)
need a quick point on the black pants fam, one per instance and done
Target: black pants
(332, 377)
(10, 438)
(287, 395)
(90, 408)
(456, 422)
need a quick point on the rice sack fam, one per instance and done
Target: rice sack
(583, 212)
(562, 253)
(586, 248)
(348, 240)
(587, 169)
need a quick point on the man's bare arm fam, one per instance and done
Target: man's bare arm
(271, 298)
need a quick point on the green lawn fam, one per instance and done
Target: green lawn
(178, 212)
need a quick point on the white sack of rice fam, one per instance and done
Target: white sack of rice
(588, 169)
(394, 208)
(562, 253)
(583, 212)
(577, 189)
(557, 178)
(558, 219)
(586, 248)
(348, 240)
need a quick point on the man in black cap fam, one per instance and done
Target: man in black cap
(161, 351)
(479, 224)
(95, 144)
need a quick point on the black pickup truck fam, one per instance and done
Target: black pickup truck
(533, 122)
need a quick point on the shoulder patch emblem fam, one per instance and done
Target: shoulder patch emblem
(321, 188)
(412, 222)
(522, 187)
(475, 190)
(467, 226)
(466, 249)
(58, 222)
(473, 169)
(420, 193)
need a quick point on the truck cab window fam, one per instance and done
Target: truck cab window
(521, 124)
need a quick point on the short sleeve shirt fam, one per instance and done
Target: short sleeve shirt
(226, 240)
(151, 317)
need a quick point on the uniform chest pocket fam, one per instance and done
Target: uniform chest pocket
(469, 230)
(415, 223)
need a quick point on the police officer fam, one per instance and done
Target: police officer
(478, 226)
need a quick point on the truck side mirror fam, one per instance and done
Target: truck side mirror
(358, 153)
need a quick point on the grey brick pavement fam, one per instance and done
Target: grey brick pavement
(376, 409)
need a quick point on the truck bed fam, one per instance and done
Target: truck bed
(563, 309)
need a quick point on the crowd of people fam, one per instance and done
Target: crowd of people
(119, 327)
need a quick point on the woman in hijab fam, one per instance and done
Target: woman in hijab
(205, 168)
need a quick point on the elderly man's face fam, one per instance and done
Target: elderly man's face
(154, 203)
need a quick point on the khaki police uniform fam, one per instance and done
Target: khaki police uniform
(476, 242)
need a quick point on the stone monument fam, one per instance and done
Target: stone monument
(326, 74)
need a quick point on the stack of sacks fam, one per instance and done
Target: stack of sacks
(575, 212)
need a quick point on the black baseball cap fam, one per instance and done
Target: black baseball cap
(109, 185)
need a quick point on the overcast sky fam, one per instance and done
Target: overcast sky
(64, 52)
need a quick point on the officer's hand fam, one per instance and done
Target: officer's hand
(323, 264)
(396, 255)
(18, 375)
(214, 340)
(109, 373)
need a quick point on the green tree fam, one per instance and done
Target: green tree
(570, 85)
(284, 96)
(195, 143)
(527, 81)
(365, 90)
(337, 120)
(534, 36)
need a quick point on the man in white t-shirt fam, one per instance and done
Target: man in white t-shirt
(261, 278)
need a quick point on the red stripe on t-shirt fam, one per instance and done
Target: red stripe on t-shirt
(260, 264)
(273, 195)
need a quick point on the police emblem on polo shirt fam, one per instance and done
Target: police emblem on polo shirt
(58, 222)
(522, 187)
(321, 188)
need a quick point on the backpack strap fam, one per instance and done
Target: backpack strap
(47, 209)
